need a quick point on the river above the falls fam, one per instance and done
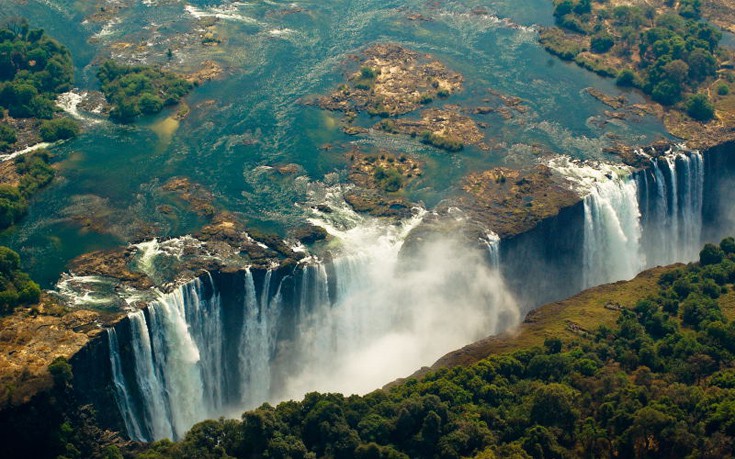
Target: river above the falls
(276, 55)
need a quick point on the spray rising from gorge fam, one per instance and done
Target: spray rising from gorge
(369, 311)
(217, 345)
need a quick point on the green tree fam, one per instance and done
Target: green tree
(601, 43)
(711, 255)
(7, 137)
(12, 205)
(626, 78)
(61, 371)
(9, 260)
(553, 405)
(58, 129)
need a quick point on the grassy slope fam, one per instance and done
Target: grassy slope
(587, 310)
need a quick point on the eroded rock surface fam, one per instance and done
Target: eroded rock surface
(444, 128)
(509, 201)
(393, 80)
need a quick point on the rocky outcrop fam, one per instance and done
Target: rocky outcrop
(510, 202)
(197, 196)
(392, 80)
(30, 340)
(444, 128)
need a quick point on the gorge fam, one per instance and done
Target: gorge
(261, 206)
(228, 341)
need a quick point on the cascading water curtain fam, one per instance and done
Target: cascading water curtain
(180, 365)
(612, 232)
(673, 195)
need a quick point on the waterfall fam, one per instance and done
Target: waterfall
(493, 248)
(123, 399)
(672, 230)
(157, 417)
(612, 233)
(178, 363)
(349, 322)
(633, 221)
(257, 341)
(368, 315)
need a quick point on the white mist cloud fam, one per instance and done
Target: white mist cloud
(390, 318)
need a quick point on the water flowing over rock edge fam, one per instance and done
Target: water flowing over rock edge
(561, 254)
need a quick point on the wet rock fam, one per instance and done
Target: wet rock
(611, 101)
(309, 234)
(114, 263)
(445, 128)
(373, 203)
(196, 195)
(384, 171)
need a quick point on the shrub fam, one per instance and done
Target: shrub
(626, 78)
(711, 255)
(34, 171)
(7, 136)
(58, 129)
(442, 142)
(723, 90)
(16, 287)
(12, 206)
(666, 93)
(700, 108)
(9, 260)
(61, 371)
(389, 179)
(601, 43)
(728, 245)
(368, 73)
(149, 103)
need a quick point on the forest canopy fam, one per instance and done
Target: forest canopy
(669, 54)
(16, 288)
(34, 68)
(34, 172)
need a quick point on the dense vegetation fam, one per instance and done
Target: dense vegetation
(7, 137)
(34, 69)
(139, 90)
(439, 141)
(33, 172)
(58, 129)
(661, 383)
(16, 287)
(667, 55)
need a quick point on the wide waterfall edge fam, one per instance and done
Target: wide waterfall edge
(102, 339)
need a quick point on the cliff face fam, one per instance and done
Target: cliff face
(718, 212)
(545, 263)
(30, 339)
(541, 265)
